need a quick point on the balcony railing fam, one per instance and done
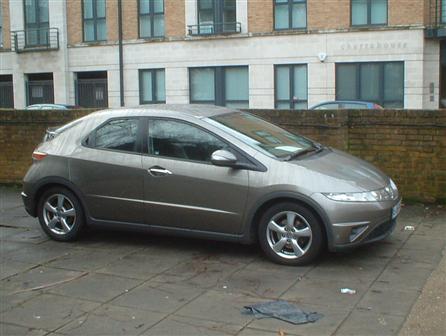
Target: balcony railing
(436, 25)
(36, 39)
(215, 28)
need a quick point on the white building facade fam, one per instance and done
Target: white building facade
(256, 67)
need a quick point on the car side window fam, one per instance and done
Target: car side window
(332, 106)
(118, 134)
(176, 139)
(354, 106)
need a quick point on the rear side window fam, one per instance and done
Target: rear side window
(180, 140)
(117, 134)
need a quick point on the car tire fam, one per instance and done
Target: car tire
(290, 234)
(60, 214)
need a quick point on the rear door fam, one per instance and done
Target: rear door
(182, 187)
(108, 170)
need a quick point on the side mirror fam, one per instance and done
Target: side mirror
(223, 158)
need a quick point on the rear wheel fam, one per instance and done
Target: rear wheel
(290, 234)
(60, 214)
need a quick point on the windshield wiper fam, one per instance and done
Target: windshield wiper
(316, 148)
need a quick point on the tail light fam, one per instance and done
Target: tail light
(39, 155)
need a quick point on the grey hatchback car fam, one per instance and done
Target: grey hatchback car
(207, 172)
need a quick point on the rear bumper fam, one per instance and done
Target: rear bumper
(29, 204)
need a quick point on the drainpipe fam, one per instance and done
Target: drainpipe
(121, 56)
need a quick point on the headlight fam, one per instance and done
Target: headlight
(386, 194)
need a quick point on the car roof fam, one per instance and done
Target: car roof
(344, 102)
(194, 110)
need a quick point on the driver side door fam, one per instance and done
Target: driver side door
(182, 188)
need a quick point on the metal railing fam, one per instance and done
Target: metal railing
(214, 28)
(35, 39)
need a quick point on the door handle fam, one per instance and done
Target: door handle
(159, 171)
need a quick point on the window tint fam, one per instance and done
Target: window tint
(95, 28)
(180, 140)
(119, 134)
(152, 86)
(224, 86)
(369, 12)
(291, 86)
(151, 18)
(290, 14)
(378, 82)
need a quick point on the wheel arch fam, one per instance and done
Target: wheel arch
(265, 203)
(51, 182)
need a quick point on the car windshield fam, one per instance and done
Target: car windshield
(262, 135)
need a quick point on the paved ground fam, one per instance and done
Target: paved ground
(120, 283)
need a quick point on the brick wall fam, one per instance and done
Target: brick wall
(74, 21)
(406, 12)
(260, 16)
(111, 13)
(130, 20)
(6, 35)
(408, 145)
(328, 14)
(174, 15)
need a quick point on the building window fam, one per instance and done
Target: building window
(216, 17)
(91, 89)
(443, 11)
(224, 86)
(369, 12)
(378, 82)
(291, 87)
(151, 18)
(152, 87)
(36, 22)
(39, 89)
(95, 28)
(290, 14)
(6, 92)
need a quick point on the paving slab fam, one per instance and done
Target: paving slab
(327, 325)
(157, 297)
(47, 311)
(133, 283)
(325, 292)
(111, 320)
(96, 287)
(219, 307)
(365, 322)
(7, 329)
(177, 325)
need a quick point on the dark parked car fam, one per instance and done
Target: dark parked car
(209, 172)
(346, 104)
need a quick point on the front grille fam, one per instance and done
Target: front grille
(382, 230)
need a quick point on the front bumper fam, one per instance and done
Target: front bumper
(356, 223)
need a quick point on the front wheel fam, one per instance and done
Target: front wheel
(290, 234)
(60, 214)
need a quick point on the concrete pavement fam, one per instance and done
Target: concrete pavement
(115, 283)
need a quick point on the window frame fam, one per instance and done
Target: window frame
(219, 85)
(89, 141)
(290, 67)
(382, 64)
(95, 19)
(154, 86)
(369, 16)
(290, 3)
(151, 15)
(1, 24)
(37, 26)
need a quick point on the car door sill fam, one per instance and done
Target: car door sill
(108, 224)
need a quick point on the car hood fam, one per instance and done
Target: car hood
(337, 171)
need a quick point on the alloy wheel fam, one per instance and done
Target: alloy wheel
(289, 235)
(59, 214)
